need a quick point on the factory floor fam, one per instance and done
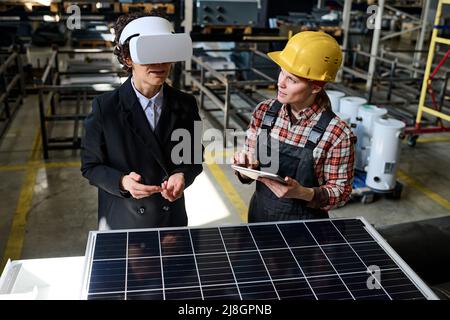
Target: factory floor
(47, 208)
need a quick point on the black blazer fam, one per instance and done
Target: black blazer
(118, 140)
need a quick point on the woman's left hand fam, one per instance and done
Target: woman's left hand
(292, 189)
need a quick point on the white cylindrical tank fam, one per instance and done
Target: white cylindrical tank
(367, 114)
(335, 97)
(343, 116)
(362, 147)
(384, 153)
(350, 106)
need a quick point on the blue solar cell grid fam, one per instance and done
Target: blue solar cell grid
(334, 259)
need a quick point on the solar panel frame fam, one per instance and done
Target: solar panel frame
(196, 291)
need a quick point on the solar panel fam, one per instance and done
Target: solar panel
(314, 259)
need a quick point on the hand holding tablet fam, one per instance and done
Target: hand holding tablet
(255, 174)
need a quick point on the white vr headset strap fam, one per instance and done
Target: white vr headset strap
(145, 25)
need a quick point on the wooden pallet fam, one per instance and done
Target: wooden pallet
(54, 7)
(215, 29)
(169, 8)
(93, 44)
(85, 5)
(28, 5)
(291, 29)
(334, 31)
(91, 6)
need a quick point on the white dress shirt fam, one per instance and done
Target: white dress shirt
(152, 107)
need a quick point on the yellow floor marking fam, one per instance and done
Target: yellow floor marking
(435, 139)
(417, 185)
(69, 164)
(14, 167)
(14, 245)
(16, 236)
(227, 187)
(41, 164)
(432, 139)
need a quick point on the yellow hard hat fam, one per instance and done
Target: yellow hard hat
(312, 55)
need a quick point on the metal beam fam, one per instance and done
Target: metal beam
(8, 61)
(375, 44)
(345, 27)
(219, 76)
(263, 75)
(399, 33)
(49, 66)
(9, 88)
(401, 12)
(356, 73)
(421, 36)
(187, 24)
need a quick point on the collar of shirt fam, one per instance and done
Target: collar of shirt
(308, 113)
(156, 100)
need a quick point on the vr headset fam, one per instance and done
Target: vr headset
(152, 40)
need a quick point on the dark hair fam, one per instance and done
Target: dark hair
(122, 52)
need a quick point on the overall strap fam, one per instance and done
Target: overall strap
(271, 116)
(318, 130)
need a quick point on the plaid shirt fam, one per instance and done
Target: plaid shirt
(333, 155)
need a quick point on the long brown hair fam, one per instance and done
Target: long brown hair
(323, 100)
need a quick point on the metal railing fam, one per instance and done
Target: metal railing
(398, 78)
(219, 87)
(12, 87)
(55, 98)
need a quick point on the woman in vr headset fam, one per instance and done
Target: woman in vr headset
(308, 144)
(127, 147)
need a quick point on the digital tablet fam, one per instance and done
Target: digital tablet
(255, 174)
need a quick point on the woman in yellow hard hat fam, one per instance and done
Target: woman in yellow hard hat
(309, 146)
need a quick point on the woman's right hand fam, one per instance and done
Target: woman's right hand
(245, 159)
(130, 183)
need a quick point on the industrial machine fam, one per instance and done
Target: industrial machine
(384, 154)
(377, 147)
(367, 114)
(335, 98)
(50, 33)
(92, 34)
(350, 105)
(227, 12)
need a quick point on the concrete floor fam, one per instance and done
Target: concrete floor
(48, 208)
